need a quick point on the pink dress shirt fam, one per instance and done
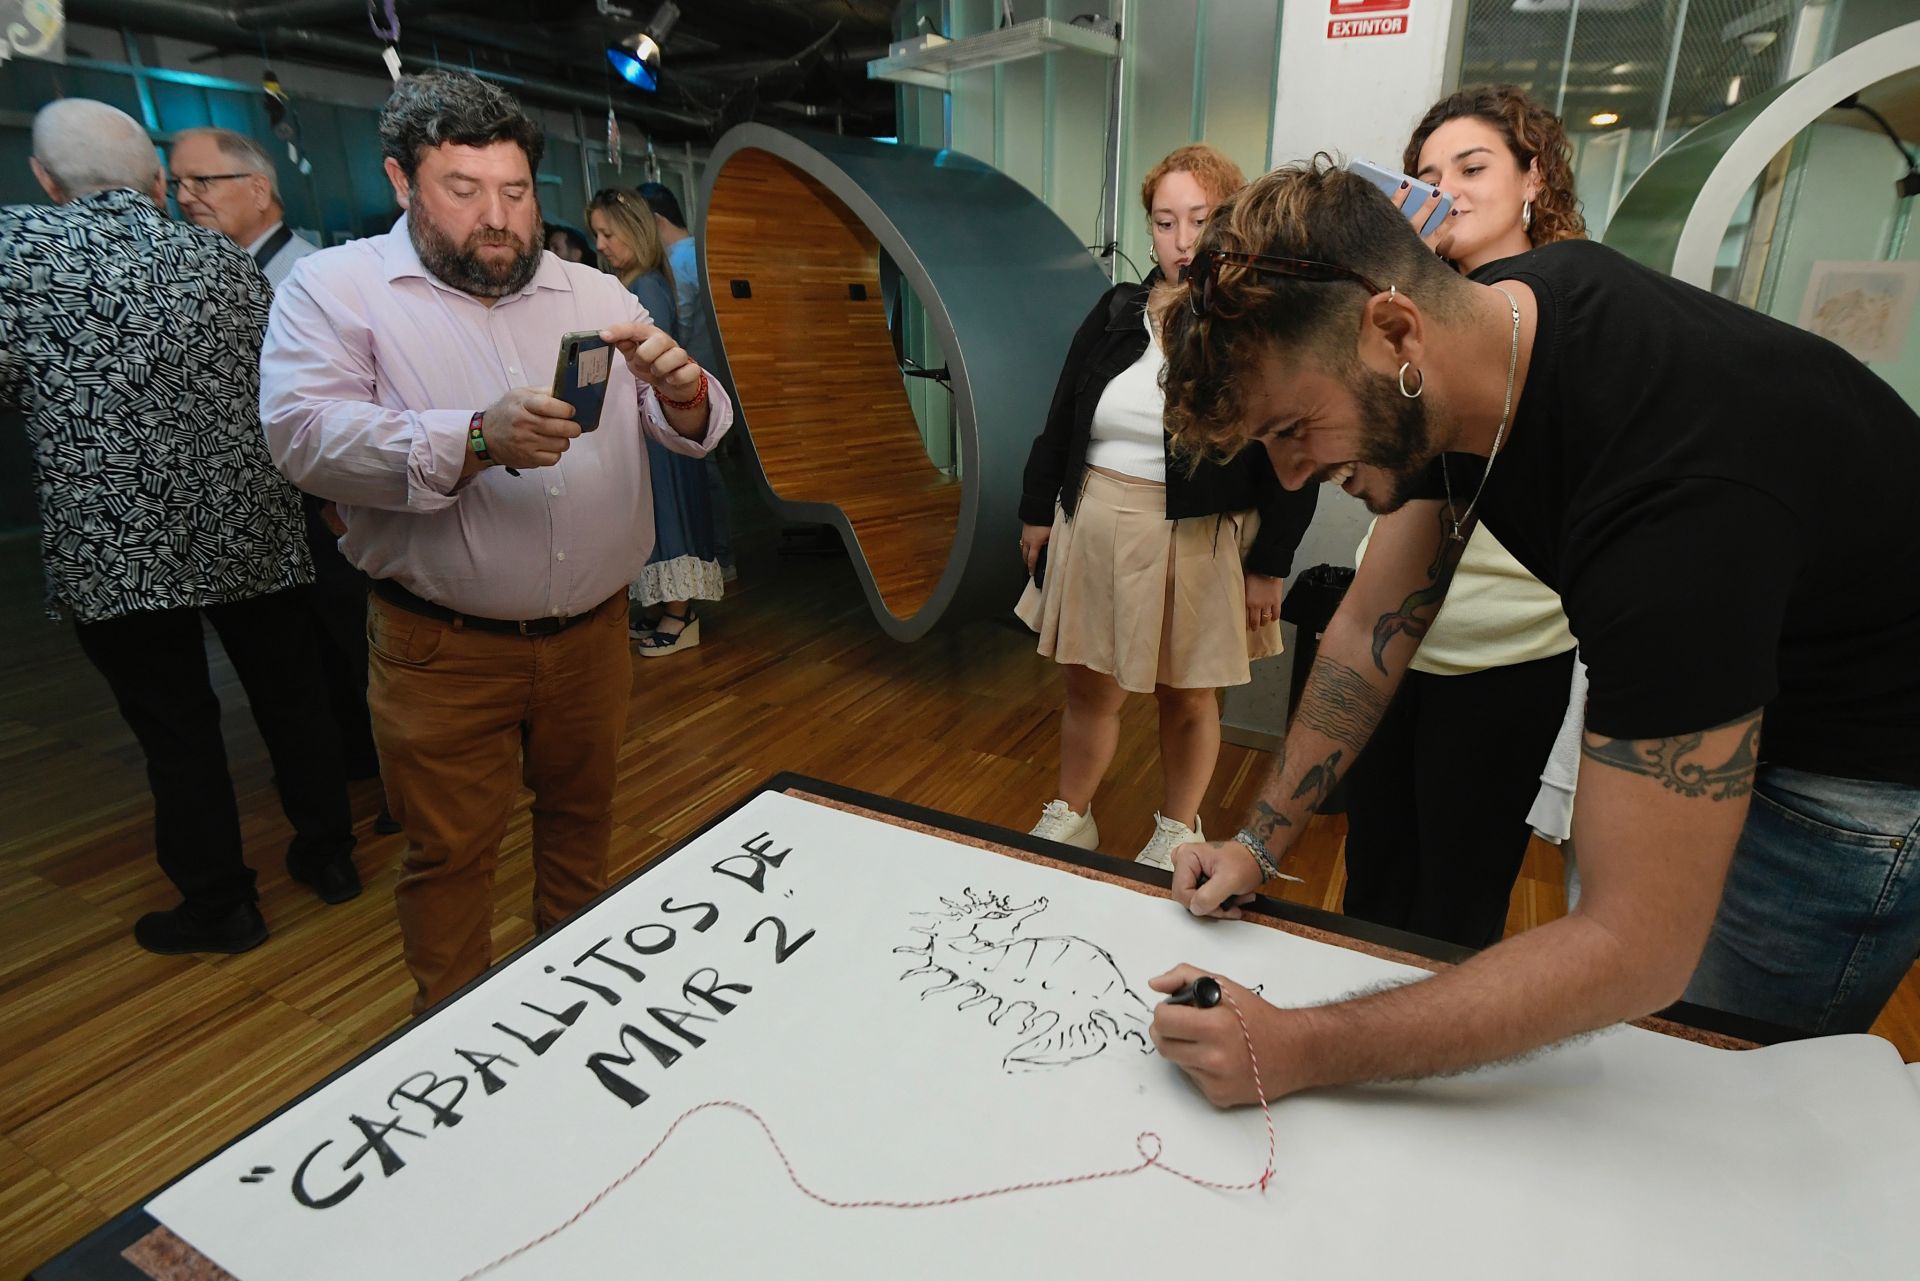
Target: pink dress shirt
(372, 369)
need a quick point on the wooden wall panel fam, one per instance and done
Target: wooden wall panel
(818, 383)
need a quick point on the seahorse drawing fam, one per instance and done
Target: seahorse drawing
(1064, 995)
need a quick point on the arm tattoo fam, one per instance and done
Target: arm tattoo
(1266, 821)
(1319, 781)
(1341, 703)
(1417, 612)
(1672, 761)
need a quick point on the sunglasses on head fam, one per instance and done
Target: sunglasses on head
(1203, 273)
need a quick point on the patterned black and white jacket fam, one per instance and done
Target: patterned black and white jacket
(132, 343)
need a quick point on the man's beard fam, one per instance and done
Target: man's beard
(462, 267)
(1399, 439)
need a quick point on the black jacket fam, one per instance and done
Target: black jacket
(1112, 337)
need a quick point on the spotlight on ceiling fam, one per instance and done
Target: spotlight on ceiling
(637, 57)
(1601, 119)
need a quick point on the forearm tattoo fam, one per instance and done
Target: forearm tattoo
(1319, 781)
(1341, 703)
(1266, 821)
(1675, 763)
(1417, 612)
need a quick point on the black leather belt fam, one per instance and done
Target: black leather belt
(394, 594)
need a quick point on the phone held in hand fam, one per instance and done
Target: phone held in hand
(1040, 566)
(1418, 193)
(580, 375)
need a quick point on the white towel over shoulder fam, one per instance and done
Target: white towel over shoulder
(1552, 815)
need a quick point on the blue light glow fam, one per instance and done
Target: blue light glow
(632, 70)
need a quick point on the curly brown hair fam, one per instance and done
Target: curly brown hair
(1532, 133)
(1219, 176)
(1313, 210)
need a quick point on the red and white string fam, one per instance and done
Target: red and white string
(1147, 1143)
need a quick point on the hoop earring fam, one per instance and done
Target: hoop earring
(1526, 215)
(1417, 387)
(1153, 255)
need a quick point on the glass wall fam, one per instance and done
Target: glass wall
(1189, 71)
(1629, 77)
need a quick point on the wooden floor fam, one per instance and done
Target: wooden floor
(118, 1068)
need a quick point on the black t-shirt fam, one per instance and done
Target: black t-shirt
(1726, 505)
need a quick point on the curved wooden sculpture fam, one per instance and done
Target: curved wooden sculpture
(790, 242)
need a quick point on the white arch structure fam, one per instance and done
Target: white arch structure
(1734, 148)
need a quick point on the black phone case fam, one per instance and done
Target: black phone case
(583, 380)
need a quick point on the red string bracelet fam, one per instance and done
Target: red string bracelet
(692, 402)
(1146, 1143)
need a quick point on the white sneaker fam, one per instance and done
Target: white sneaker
(1168, 835)
(1059, 823)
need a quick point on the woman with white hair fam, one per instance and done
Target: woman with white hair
(132, 343)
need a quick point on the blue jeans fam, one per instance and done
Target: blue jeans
(1820, 921)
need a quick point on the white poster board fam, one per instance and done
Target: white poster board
(917, 1018)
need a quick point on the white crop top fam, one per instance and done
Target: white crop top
(1129, 424)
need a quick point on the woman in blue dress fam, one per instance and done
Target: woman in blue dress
(685, 565)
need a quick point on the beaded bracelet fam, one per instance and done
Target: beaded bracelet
(1268, 868)
(477, 437)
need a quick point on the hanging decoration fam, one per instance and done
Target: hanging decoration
(286, 125)
(389, 31)
(33, 29)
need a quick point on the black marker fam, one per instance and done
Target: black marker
(1204, 992)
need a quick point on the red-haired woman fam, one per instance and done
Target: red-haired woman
(1158, 578)
(1438, 804)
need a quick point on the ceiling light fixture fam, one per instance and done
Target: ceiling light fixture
(1601, 119)
(637, 57)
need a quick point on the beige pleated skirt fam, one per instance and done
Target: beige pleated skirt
(1147, 600)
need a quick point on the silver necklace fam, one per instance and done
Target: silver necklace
(1506, 412)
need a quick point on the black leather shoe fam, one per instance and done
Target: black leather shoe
(188, 928)
(335, 881)
(386, 824)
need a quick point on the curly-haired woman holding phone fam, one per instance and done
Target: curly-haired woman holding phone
(1437, 804)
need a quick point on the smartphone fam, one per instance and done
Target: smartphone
(1418, 193)
(580, 375)
(1040, 567)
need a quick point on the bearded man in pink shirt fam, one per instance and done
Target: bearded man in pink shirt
(402, 379)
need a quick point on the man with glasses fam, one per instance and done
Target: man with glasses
(225, 181)
(132, 343)
(1724, 503)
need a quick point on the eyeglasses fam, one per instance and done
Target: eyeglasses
(198, 184)
(1203, 273)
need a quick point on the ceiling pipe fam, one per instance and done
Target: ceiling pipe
(737, 69)
(186, 20)
(259, 17)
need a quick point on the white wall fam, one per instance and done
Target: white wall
(1359, 98)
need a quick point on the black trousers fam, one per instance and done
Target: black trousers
(339, 600)
(155, 661)
(1437, 803)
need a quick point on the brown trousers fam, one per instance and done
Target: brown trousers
(461, 717)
